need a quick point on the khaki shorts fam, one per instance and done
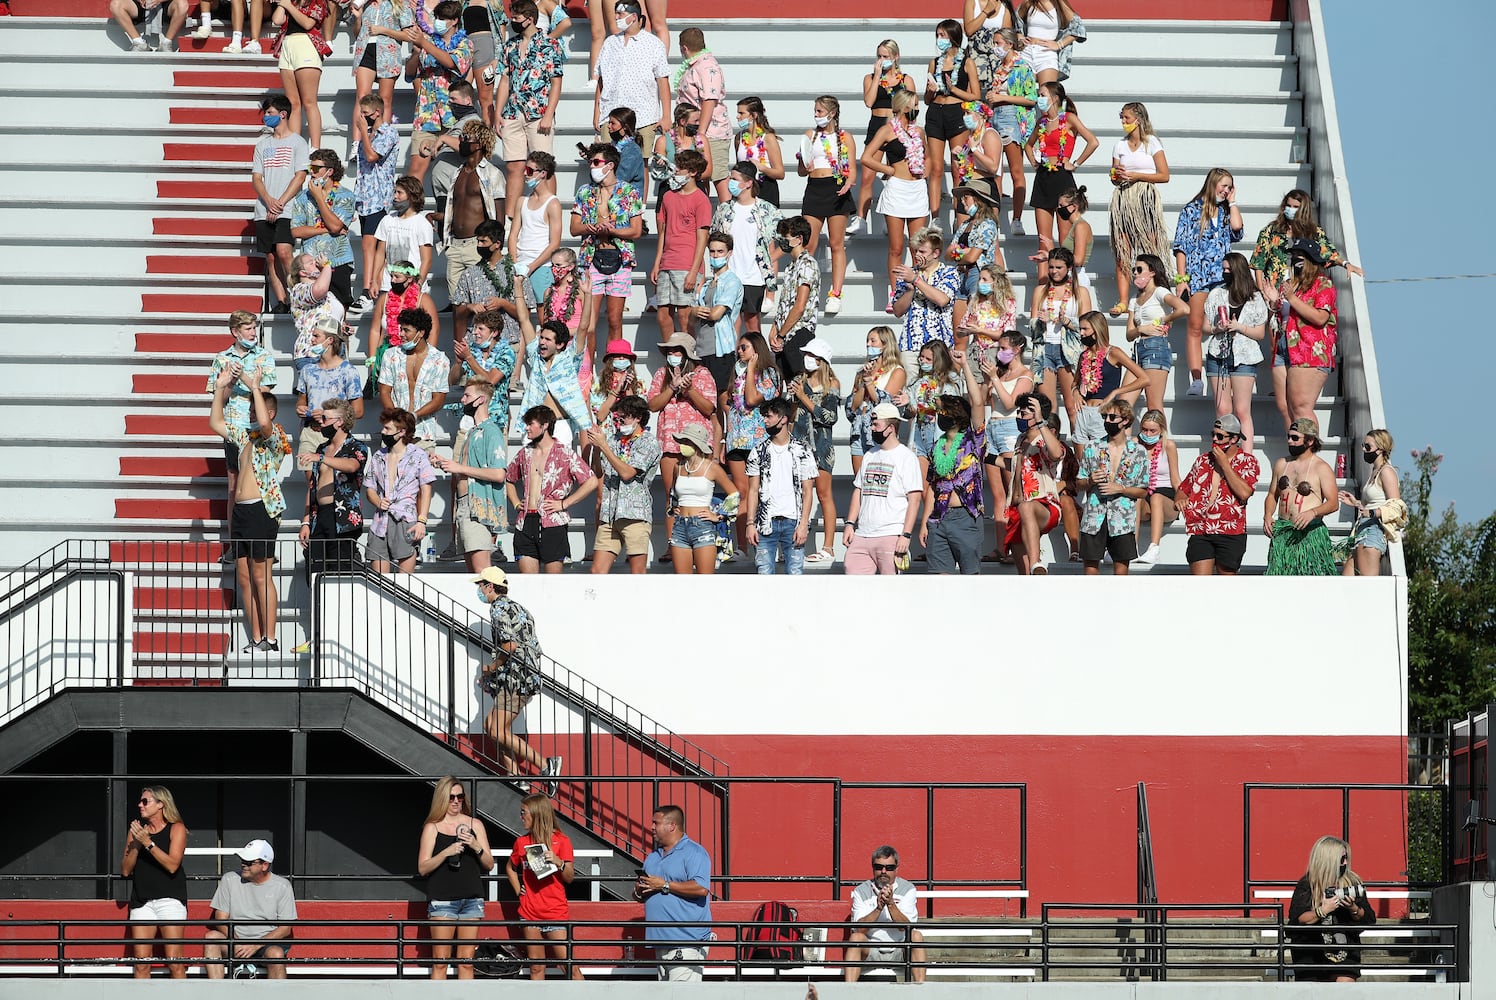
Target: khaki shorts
(631, 536)
(721, 150)
(521, 138)
(307, 443)
(425, 144)
(472, 534)
(513, 704)
(298, 52)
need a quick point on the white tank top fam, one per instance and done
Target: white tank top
(693, 491)
(998, 413)
(1044, 24)
(534, 235)
(1151, 310)
(813, 152)
(1054, 333)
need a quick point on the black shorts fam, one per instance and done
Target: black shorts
(1167, 492)
(753, 300)
(342, 284)
(822, 200)
(231, 456)
(737, 455)
(370, 61)
(269, 235)
(944, 122)
(768, 190)
(368, 225)
(872, 129)
(254, 531)
(722, 369)
(1044, 193)
(548, 545)
(1227, 551)
(1123, 547)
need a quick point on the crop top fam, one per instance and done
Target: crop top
(693, 491)
(894, 151)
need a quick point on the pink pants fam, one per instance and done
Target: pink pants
(870, 556)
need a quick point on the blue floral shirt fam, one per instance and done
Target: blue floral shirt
(1204, 253)
(375, 190)
(925, 321)
(347, 507)
(337, 249)
(1119, 514)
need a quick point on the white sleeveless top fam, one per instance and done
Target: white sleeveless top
(1150, 310)
(693, 491)
(998, 413)
(534, 235)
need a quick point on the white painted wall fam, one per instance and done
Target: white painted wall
(42, 656)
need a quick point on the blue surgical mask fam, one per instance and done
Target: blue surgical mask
(740, 367)
(742, 125)
(674, 360)
(441, 25)
(874, 352)
(970, 122)
(926, 367)
(621, 364)
(249, 344)
(271, 121)
(1149, 439)
(317, 350)
(716, 263)
(1041, 104)
(1290, 211)
(887, 64)
(409, 347)
(942, 44)
(984, 288)
(734, 188)
(531, 183)
(482, 597)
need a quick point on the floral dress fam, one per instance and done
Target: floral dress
(393, 14)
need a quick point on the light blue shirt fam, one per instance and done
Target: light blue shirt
(687, 861)
(727, 291)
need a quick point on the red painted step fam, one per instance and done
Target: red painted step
(183, 599)
(187, 43)
(217, 264)
(216, 116)
(160, 385)
(164, 466)
(162, 508)
(211, 151)
(199, 643)
(172, 302)
(225, 225)
(162, 551)
(168, 424)
(206, 190)
(182, 343)
(220, 79)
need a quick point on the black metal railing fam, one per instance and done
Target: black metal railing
(1051, 948)
(1471, 812)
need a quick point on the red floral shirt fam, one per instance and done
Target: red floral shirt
(1313, 346)
(1207, 503)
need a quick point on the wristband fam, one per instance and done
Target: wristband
(420, 520)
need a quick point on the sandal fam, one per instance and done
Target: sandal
(823, 556)
(1118, 309)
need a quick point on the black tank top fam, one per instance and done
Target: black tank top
(953, 78)
(1111, 380)
(475, 21)
(883, 99)
(894, 151)
(151, 881)
(463, 882)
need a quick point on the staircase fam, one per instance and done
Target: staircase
(126, 237)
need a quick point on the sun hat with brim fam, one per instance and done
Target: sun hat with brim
(683, 341)
(979, 188)
(619, 348)
(695, 435)
(818, 347)
(404, 267)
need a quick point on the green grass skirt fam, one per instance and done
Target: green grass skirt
(1300, 553)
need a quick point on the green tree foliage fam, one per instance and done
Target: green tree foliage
(1451, 570)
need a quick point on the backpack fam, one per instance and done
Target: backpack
(774, 936)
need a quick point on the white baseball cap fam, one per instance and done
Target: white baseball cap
(257, 850)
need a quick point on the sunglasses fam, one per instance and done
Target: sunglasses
(1295, 438)
(455, 795)
(318, 166)
(534, 172)
(144, 802)
(885, 868)
(1138, 270)
(1221, 436)
(598, 162)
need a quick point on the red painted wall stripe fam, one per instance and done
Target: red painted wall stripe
(164, 551)
(181, 343)
(165, 508)
(204, 264)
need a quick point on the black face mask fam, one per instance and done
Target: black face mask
(1065, 211)
(486, 252)
(1113, 428)
(880, 436)
(1298, 449)
(329, 430)
(470, 408)
(691, 130)
(460, 110)
(1088, 341)
(945, 423)
(1369, 455)
(464, 146)
(388, 440)
(783, 244)
(371, 120)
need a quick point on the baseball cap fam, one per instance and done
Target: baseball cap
(257, 850)
(493, 575)
(1227, 422)
(887, 411)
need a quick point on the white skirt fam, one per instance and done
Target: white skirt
(903, 199)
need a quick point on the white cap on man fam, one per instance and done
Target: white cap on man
(257, 850)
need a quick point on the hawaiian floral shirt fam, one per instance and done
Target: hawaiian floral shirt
(320, 384)
(433, 81)
(347, 506)
(1019, 82)
(560, 380)
(397, 14)
(431, 381)
(630, 501)
(761, 466)
(564, 471)
(1204, 253)
(375, 188)
(520, 672)
(1313, 346)
(306, 312)
(500, 361)
(530, 68)
(701, 82)
(925, 321)
(803, 270)
(266, 452)
(680, 413)
(979, 235)
(257, 359)
(1208, 505)
(1118, 513)
(964, 485)
(624, 203)
(765, 219)
(413, 472)
(1271, 253)
(487, 447)
(337, 249)
(745, 425)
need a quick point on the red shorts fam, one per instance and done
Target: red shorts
(1015, 532)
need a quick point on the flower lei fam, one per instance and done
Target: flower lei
(758, 149)
(840, 158)
(1154, 452)
(393, 305)
(1090, 371)
(892, 78)
(506, 287)
(1066, 140)
(914, 144)
(945, 454)
(685, 65)
(568, 305)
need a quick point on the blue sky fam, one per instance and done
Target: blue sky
(1423, 207)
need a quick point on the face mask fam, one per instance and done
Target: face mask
(880, 436)
(470, 408)
(388, 440)
(1113, 428)
(1369, 454)
(811, 364)
(942, 44)
(248, 344)
(969, 122)
(1005, 356)
(371, 120)
(622, 24)
(686, 450)
(740, 367)
(598, 173)
(874, 352)
(734, 188)
(464, 147)
(400, 205)
(783, 243)
(1041, 104)
(926, 367)
(1140, 281)
(1149, 439)
(1088, 341)
(692, 130)
(460, 110)
(482, 597)
(886, 64)
(1297, 449)
(984, 288)
(329, 431)
(398, 285)
(1290, 211)
(716, 263)
(409, 347)
(1221, 201)
(774, 430)
(317, 350)
(674, 360)
(1023, 424)
(1129, 127)
(441, 25)
(821, 121)
(1065, 211)
(628, 430)
(621, 364)
(271, 121)
(531, 183)
(484, 253)
(742, 125)
(615, 134)
(677, 181)
(1344, 865)
(945, 423)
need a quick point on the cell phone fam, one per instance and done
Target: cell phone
(581, 149)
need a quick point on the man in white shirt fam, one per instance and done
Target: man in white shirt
(885, 502)
(887, 908)
(781, 489)
(633, 71)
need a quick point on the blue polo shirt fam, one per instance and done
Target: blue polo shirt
(687, 861)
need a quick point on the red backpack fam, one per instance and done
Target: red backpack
(775, 936)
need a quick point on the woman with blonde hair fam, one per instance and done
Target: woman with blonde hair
(540, 868)
(1328, 901)
(1163, 480)
(897, 151)
(158, 883)
(453, 857)
(878, 91)
(827, 158)
(1380, 511)
(880, 378)
(1207, 227)
(1137, 213)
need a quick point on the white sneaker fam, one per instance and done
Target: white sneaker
(1017, 229)
(363, 303)
(833, 304)
(855, 226)
(139, 44)
(1197, 387)
(1149, 556)
(203, 32)
(233, 48)
(252, 48)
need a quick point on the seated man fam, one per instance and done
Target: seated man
(883, 902)
(252, 893)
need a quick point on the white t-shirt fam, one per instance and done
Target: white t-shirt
(864, 901)
(1150, 310)
(744, 262)
(780, 499)
(1138, 160)
(886, 479)
(403, 239)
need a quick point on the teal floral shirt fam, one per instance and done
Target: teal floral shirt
(1119, 514)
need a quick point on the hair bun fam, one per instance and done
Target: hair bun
(1081, 189)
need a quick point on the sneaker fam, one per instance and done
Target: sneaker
(833, 304)
(303, 649)
(168, 45)
(139, 44)
(253, 647)
(1197, 387)
(551, 769)
(227, 558)
(363, 301)
(450, 553)
(855, 226)
(233, 49)
(204, 31)
(270, 646)
(1017, 229)
(1149, 556)
(497, 557)
(522, 786)
(252, 48)
(651, 304)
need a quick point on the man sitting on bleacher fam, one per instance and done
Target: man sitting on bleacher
(252, 893)
(883, 901)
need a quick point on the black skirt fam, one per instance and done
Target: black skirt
(822, 200)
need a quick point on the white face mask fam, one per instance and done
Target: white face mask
(822, 121)
(598, 173)
(628, 430)
(811, 364)
(622, 24)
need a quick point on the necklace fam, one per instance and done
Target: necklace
(947, 450)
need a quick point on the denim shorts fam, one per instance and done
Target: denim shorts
(1153, 353)
(455, 909)
(693, 532)
(1214, 369)
(1053, 358)
(1280, 360)
(922, 438)
(969, 283)
(1369, 534)
(1002, 435)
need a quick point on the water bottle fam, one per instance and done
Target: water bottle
(430, 556)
